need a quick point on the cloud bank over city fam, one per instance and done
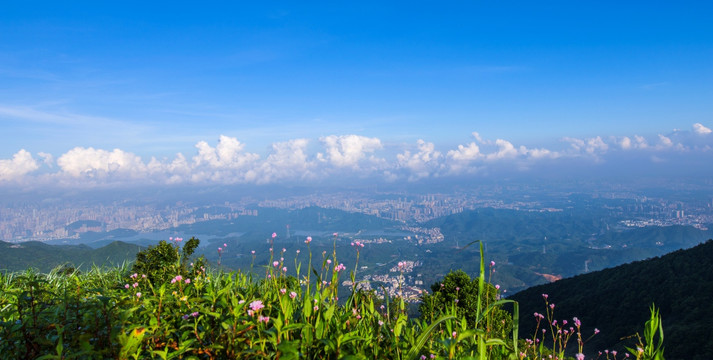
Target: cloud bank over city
(343, 158)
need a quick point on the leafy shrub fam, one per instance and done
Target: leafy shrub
(459, 291)
(164, 261)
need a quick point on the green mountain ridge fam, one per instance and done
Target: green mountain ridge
(45, 257)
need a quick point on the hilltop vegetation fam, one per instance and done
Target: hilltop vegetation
(186, 311)
(679, 283)
(44, 257)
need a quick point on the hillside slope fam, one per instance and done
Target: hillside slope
(44, 257)
(616, 301)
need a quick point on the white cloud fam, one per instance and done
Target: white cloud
(591, 146)
(227, 154)
(664, 142)
(466, 153)
(48, 159)
(539, 153)
(640, 142)
(297, 160)
(625, 143)
(698, 128)
(421, 164)
(90, 162)
(596, 145)
(505, 150)
(21, 164)
(288, 160)
(349, 150)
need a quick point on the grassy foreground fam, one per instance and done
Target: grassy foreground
(191, 312)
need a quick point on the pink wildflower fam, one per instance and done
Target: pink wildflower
(274, 235)
(309, 240)
(293, 294)
(275, 263)
(256, 305)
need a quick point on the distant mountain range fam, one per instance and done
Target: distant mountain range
(616, 301)
(44, 257)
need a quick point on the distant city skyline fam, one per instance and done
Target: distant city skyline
(165, 93)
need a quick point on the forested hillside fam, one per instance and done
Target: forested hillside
(44, 257)
(616, 301)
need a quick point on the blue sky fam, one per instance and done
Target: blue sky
(401, 91)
